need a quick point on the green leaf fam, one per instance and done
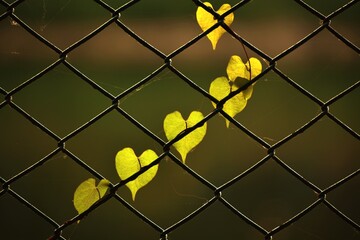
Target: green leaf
(127, 164)
(86, 194)
(174, 124)
(220, 88)
(207, 20)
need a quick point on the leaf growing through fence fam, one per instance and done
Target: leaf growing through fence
(207, 20)
(174, 124)
(238, 75)
(86, 194)
(127, 164)
(237, 68)
(220, 88)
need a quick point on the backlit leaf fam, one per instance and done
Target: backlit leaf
(207, 20)
(127, 164)
(236, 68)
(174, 124)
(86, 194)
(220, 88)
(239, 73)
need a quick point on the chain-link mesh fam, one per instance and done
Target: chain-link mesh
(9, 14)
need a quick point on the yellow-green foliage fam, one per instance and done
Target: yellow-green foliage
(127, 163)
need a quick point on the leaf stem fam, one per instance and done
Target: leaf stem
(247, 58)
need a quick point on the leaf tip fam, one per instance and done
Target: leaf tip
(133, 194)
(213, 44)
(183, 157)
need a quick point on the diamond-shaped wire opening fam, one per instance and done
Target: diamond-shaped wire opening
(269, 195)
(51, 187)
(210, 224)
(19, 216)
(169, 31)
(323, 154)
(224, 152)
(211, 64)
(320, 223)
(317, 73)
(114, 133)
(61, 100)
(170, 196)
(346, 111)
(114, 60)
(17, 49)
(62, 23)
(22, 144)
(345, 197)
(262, 23)
(346, 24)
(164, 94)
(267, 113)
(112, 215)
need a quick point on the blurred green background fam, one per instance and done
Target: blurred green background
(62, 102)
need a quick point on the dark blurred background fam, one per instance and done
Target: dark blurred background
(61, 101)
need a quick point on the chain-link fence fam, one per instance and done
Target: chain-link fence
(235, 204)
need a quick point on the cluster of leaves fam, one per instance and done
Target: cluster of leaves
(238, 74)
(127, 163)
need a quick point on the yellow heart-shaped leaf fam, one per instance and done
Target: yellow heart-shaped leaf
(207, 20)
(237, 72)
(127, 164)
(86, 194)
(174, 124)
(220, 88)
(236, 68)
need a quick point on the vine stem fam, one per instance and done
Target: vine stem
(248, 59)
